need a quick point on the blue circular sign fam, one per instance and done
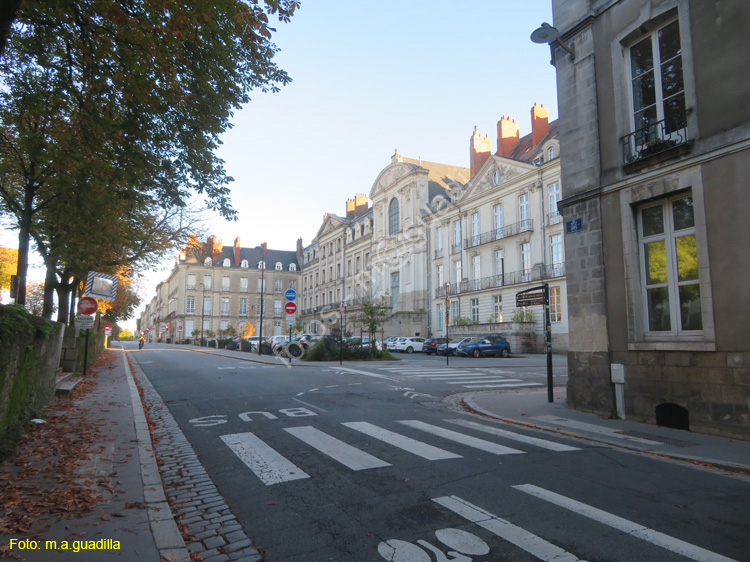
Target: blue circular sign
(290, 294)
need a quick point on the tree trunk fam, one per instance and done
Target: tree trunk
(50, 284)
(24, 238)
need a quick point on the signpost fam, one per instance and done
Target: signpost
(86, 307)
(290, 308)
(534, 297)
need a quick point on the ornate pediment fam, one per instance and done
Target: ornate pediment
(388, 177)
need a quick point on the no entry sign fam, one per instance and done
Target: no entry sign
(290, 308)
(87, 306)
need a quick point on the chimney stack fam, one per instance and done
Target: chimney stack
(507, 136)
(539, 124)
(360, 204)
(350, 208)
(237, 251)
(480, 149)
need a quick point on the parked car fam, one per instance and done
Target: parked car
(485, 346)
(431, 344)
(451, 346)
(409, 345)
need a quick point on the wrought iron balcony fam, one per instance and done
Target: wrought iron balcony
(554, 218)
(499, 233)
(653, 139)
(512, 278)
(438, 253)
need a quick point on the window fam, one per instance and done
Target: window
(261, 265)
(439, 316)
(358, 264)
(261, 285)
(189, 327)
(277, 308)
(439, 279)
(394, 289)
(244, 264)
(277, 286)
(455, 311)
(554, 196)
(260, 306)
(556, 254)
(225, 283)
(477, 272)
(671, 290)
(551, 153)
(292, 267)
(243, 284)
(498, 220)
(439, 242)
(457, 271)
(224, 324)
(225, 263)
(191, 281)
(555, 304)
(277, 328)
(526, 260)
(393, 217)
(243, 306)
(497, 302)
(475, 311)
(495, 177)
(190, 305)
(279, 266)
(475, 229)
(208, 262)
(523, 208)
(206, 305)
(292, 283)
(499, 267)
(456, 236)
(225, 306)
(207, 282)
(206, 326)
(657, 85)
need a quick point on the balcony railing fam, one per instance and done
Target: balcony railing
(438, 253)
(513, 278)
(525, 225)
(455, 248)
(653, 139)
(554, 218)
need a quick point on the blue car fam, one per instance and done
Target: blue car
(484, 346)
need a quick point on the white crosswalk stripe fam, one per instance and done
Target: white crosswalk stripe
(267, 464)
(543, 443)
(461, 438)
(349, 456)
(464, 378)
(402, 442)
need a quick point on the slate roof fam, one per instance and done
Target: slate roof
(255, 255)
(524, 152)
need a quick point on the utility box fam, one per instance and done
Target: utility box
(618, 373)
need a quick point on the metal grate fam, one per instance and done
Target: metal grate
(659, 438)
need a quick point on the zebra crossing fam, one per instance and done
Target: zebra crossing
(271, 467)
(461, 377)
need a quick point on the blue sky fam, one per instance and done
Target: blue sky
(370, 77)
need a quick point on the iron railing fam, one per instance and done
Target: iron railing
(653, 139)
(525, 225)
(512, 278)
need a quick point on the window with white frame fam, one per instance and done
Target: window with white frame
(457, 271)
(261, 265)
(261, 285)
(226, 263)
(476, 266)
(277, 328)
(206, 305)
(395, 289)
(191, 281)
(551, 153)
(243, 306)
(243, 284)
(244, 264)
(553, 197)
(190, 305)
(278, 286)
(292, 267)
(455, 312)
(497, 305)
(497, 211)
(260, 306)
(439, 242)
(279, 266)
(523, 208)
(206, 326)
(499, 267)
(555, 304)
(225, 306)
(669, 273)
(277, 307)
(225, 283)
(394, 224)
(475, 233)
(207, 282)
(658, 92)
(556, 254)
(189, 327)
(439, 318)
(208, 262)
(292, 283)
(224, 324)
(475, 311)
(526, 260)
(456, 236)
(439, 278)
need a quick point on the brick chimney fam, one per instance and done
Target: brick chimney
(360, 204)
(480, 149)
(539, 124)
(237, 251)
(299, 250)
(507, 136)
(350, 208)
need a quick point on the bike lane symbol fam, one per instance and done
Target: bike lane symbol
(460, 542)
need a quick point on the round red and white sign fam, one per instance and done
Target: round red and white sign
(87, 305)
(290, 308)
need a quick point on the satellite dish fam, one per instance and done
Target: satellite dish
(545, 34)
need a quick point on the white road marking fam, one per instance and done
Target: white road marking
(462, 438)
(531, 543)
(633, 529)
(474, 380)
(592, 428)
(454, 376)
(402, 442)
(366, 373)
(267, 464)
(344, 453)
(551, 445)
(307, 404)
(512, 385)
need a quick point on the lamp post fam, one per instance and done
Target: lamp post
(447, 317)
(203, 310)
(262, 289)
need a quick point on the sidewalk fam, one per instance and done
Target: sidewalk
(530, 408)
(85, 484)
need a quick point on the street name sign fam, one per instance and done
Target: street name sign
(529, 299)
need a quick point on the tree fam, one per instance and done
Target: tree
(134, 95)
(8, 266)
(35, 299)
(373, 316)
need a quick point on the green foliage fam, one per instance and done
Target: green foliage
(16, 321)
(522, 315)
(327, 349)
(373, 315)
(462, 321)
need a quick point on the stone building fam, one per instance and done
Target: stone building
(213, 287)
(655, 127)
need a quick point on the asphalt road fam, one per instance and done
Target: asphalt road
(369, 462)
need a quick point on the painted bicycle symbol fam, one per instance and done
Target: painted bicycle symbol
(461, 543)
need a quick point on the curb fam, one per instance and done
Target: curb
(167, 536)
(471, 406)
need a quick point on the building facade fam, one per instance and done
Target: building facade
(215, 288)
(655, 127)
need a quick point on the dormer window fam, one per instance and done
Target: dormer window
(261, 265)
(225, 263)
(208, 262)
(455, 194)
(244, 264)
(292, 267)
(551, 153)
(279, 267)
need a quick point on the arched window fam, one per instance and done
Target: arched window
(244, 264)
(261, 265)
(393, 218)
(550, 153)
(208, 262)
(292, 267)
(279, 267)
(225, 263)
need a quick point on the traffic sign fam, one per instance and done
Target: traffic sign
(87, 305)
(290, 308)
(84, 321)
(290, 294)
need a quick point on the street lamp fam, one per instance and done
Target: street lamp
(203, 310)
(447, 317)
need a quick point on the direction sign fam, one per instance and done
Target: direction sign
(87, 305)
(290, 308)
(290, 294)
(529, 299)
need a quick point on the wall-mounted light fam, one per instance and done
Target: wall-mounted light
(548, 34)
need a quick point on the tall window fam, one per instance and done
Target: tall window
(526, 260)
(207, 282)
(439, 279)
(357, 264)
(277, 307)
(499, 266)
(261, 285)
(277, 286)
(206, 305)
(554, 196)
(671, 289)
(656, 77)
(225, 306)
(455, 312)
(243, 306)
(475, 234)
(189, 327)
(191, 281)
(497, 302)
(393, 218)
(457, 271)
(498, 220)
(225, 283)
(394, 289)
(523, 208)
(456, 236)
(190, 305)
(439, 242)
(556, 254)
(243, 284)
(260, 306)
(475, 310)
(476, 266)
(555, 304)
(224, 324)
(439, 317)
